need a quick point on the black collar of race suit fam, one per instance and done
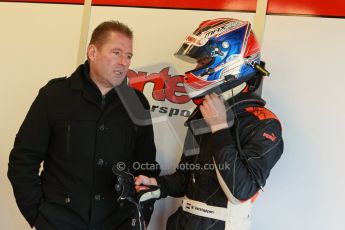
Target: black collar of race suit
(243, 99)
(198, 125)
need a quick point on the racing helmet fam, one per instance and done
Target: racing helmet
(231, 51)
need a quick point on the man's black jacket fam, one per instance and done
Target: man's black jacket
(78, 135)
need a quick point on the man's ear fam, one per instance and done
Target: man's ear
(91, 52)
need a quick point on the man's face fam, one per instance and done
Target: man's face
(109, 63)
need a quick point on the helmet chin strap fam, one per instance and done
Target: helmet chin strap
(233, 92)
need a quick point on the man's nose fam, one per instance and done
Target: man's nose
(123, 60)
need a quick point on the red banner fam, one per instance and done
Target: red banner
(234, 5)
(333, 8)
(81, 2)
(329, 8)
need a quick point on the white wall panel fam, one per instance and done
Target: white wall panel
(306, 90)
(38, 42)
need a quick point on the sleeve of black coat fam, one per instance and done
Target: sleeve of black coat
(26, 156)
(243, 175)
(145, 154)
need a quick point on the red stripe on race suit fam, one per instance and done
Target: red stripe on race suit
(261, 113)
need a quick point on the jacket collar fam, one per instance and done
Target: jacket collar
(77, 78)
(81, 74)
(80, 80)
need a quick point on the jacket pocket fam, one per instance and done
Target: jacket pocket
(60, 140)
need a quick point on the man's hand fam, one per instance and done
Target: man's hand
(214, 112)
(142, 181)
(147, 189)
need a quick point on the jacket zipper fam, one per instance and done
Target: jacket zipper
(103, 102)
